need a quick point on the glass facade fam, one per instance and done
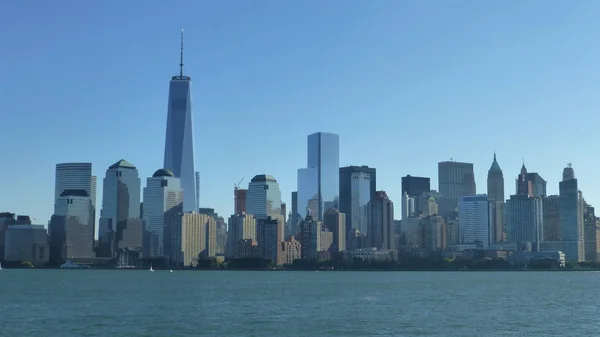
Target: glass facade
(357, 187)
(263, 197)
(322, 158)
(179, 141)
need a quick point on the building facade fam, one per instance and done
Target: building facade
(194, 237)
(27, 243)
(335, 222)
(524, 218)
(456, 179)
(179, 139)
(415, 186)
(71, 229)
(76, 176)
(495, 182)
(163, 197)
(240, 227)
(309, 238)
(571, 216)
(357, 187)
(318, 183)
(381, 222)
(475, 220)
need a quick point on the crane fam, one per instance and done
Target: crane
(237, 186)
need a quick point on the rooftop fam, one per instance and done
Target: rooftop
(122, 164)
(163, 173)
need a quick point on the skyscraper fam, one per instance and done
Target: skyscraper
(495, 182)
(76, 176)
(524, 218)
(179, 141)
(381, 234)
(571, 216)
(163, 198)
(263, 198)
(475, 220)
(415, 186)
(197, 190)
(120, 204)
(456, 179)
(318, 183)
(335, 221)
(357, 187)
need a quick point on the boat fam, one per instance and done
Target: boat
(150, 267)
(170, 270)
(71, 265)
(0, 266)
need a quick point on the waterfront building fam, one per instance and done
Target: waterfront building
(318, 183)
(475, 220)
(571, 216)
(194, 237)
(240, 227)
(357, 187)
(309, 238)
(163, 197)
(291, 251)
(268, 236)
(524, 220)
(591, 234)
(179, 140)
(27, 243)
(76, 176)
(120, 202)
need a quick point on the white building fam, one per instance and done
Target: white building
(163, 197)
(474, 220)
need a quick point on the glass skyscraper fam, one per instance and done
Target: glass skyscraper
(179, 141)
(357, 187)
(318, 183)
(263, 198)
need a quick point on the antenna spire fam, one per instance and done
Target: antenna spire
(181, 57)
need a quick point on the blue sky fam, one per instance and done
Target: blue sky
(404, 83)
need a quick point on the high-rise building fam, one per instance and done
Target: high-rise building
(309, 238)
(76, 176)
(381, 222)
(408, 205)
(538, 184)
(241, 226)
(263, 198)
(295, 217)
(197, 190)
(571, 216)
(121, 202)
(591, 234)
(357, 187)
(335, 221)
(163, 198)
(495, 182)
(268, 236)
(71, 227)
(194, 238)
(551, 218)
(524, 219)
(239, 195)
(27, 243)
(318, 183)
(290, 251)
(475, 220)
(415, 186)
(179, 140)
(221, 228)
(456, 179)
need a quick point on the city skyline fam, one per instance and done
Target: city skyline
(228, 89)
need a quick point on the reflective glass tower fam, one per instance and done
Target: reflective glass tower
(318, 184)
(179, 142)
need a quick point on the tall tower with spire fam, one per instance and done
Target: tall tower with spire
(495, 182)
(179, 141)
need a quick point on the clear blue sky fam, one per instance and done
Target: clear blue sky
(404, 83)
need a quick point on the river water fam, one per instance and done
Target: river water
(297, 303)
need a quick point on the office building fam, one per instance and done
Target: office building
(197, 190)
(415, 186)
(335, 222)
(27, 243)
(179, 140)
(221, 228)
(524, 219)
(456, 179)
(240, 227)
(408, 206)
(120, 202)
(591, 234)
(163, 197)
(71, 227)
(309, 238)
(318, 183)
(263, 198)
(239, 195)
(381, 222)
(76, 176)
(475, 220)
(551, 218)
(357, 187)
(495, 182)
(268, 236)
(571, 216)
(291, 250)
(194, 238)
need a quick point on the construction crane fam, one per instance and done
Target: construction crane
(237, 186)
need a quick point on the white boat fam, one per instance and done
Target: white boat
(150, 267)
(71, 265)
(171, 270)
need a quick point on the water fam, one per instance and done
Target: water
(290, 303)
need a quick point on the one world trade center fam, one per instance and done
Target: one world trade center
(179, 142)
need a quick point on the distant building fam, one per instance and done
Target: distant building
(475, 220)
(571, 216)
(381, 221)
(318, 183)
(263, 198)
(121, 201)
(551, 218)
(415, 186)
(295, 218)
(241, 227)
(335, 222)
(197, 190)
(309, 238)
(239, 195)
(456, 179)
(291, 251)
(27, 243)
(268, 238)
(591, 234)
(194, 237)
(71, 227)
(524, 221)
(163, 197)
(495, 182)
(76, 176)
(221, 228)
(357, 187)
